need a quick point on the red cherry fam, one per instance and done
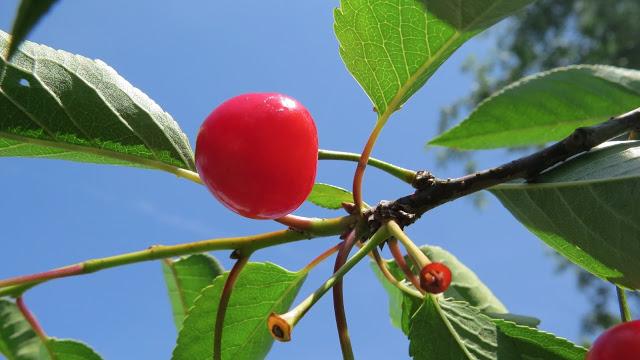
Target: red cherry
(435, 278)
(621, 342)
(257, 154)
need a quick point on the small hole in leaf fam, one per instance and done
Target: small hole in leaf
(24, 82)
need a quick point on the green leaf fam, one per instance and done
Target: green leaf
(71, 350)
(63, 106)
(29, 13)
(587, 210)
(446, 329)
(185, 279)
(261, 288)
(329, 196)
(18, 341)
(393, 47)
(546, 107)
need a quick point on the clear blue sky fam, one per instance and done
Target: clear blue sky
(189, 57)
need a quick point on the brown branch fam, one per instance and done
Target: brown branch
(432, 192)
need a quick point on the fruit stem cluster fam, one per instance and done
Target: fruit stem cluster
(281, 326)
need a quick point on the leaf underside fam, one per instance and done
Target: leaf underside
(57, 105)
(448, 329)
(587, 210)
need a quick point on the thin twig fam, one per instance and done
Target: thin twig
(247, 244)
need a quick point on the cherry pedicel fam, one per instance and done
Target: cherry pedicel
(621, 342)
(257, 153)
(435, 278)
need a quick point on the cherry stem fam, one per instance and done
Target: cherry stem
(399, 258)
(224, 302)
(294, 315)
(43, 276)
(401, 173)
(382, 265)
(322, 257)
(420, 259)
(338, 298)
(245, 245)
(31, 319)
(295, 222)
(625, 313)
(362, 164)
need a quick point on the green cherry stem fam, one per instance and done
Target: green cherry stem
(382, 265)
(281, 325)
(338, 298)
(362, 163)
(401, 173)
(244, 245)
(414, 251)
(224, 302)
(625, 313)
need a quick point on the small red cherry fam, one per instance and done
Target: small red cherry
(257, 153)
(621, 342)
(435, 278)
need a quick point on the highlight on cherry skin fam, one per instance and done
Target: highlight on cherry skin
(435, 278)
(621, 342)
(258, 153)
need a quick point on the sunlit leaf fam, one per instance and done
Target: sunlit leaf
(546, 107)
(185, 279)
(329, 196)
(392, 47)
(261, 288)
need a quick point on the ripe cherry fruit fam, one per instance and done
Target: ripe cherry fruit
(257, 154)
(435, 278)
(621, 342)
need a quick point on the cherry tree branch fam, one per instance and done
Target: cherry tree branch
(432, 192)
(242, 245)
